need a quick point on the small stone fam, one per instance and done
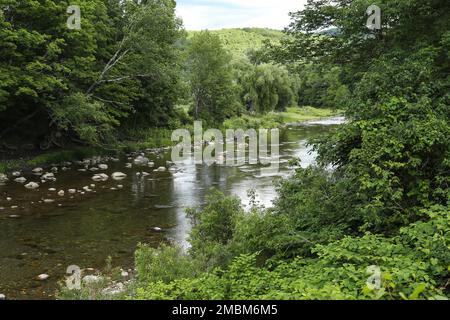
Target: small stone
(32, 185)
(103, 166)
(52, 189)
(61, 193)
(14, 207)
(43, 277)
(2, 296)
(16, 174)
(118, 176)
(48, 200)
(100, 177)
(9, 199)
(120, 186)
(14, 216)
(72, 191)
(20, 180)
(124, 274)
(50, 176)
(3, 178)
(37, 170)
(160, 169)
(157, 229)
(128, 165)
(141, 161)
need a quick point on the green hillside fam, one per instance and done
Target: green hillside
(239, 41)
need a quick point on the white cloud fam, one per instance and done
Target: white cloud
(208, 14)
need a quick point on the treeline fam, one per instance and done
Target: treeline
(377, 226)
(131, 67)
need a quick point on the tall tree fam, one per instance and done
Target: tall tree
(211, 79)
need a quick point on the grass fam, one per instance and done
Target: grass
(274, 120)
(299, 114)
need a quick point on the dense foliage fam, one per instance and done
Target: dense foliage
(382, 213)
(84, 83)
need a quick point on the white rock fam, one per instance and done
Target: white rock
(54, 169)
(20, 180)
(16, 174)
(160, 169)
(72, 191)
(61, 193)
(82, 170)
(141, 161)
(124, 274)
(52, 189)
(120, 186)
(94, 169)
(8, 199)
(3, 178)
(37, 170)
(32, 185)
(100, 177)
(145, 174)
(128, 165)
(151, 164)
(157, 229)
(118, 176)
(43, 277)
(90, 279)
(2, 208)
(103, 166)
(14, 207)
(48, 200)
(50, 176)
(2, 296)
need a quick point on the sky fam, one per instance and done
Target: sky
(218, 14)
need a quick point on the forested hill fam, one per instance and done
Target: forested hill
(239, 41)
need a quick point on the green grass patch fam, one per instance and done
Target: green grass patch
(299, 114)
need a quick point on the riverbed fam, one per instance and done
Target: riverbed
(42, 232)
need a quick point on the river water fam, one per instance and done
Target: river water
(84, 229)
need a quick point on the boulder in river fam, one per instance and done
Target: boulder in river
(50, 176)
(32, 186)
(118, 176)
(3, 178)
(141, 161)
(103, 166)
(37, 170)
(20, 180)
(16, 174)
(100, 177)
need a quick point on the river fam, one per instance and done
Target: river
(84, 229)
